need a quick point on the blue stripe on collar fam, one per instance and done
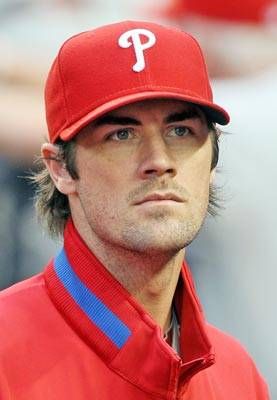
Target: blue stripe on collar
(92, 306)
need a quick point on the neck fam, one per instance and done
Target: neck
(150, 278)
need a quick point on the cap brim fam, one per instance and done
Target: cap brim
(213, 111)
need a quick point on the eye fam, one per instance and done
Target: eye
(180, 131)
(121, 134)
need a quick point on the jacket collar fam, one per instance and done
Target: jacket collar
(118, 329)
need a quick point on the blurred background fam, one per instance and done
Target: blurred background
(233, 259)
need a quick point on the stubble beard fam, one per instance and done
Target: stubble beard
(161, 234)
(161, 230)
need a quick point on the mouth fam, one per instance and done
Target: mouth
(160, 198)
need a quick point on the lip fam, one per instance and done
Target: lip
(160, 197)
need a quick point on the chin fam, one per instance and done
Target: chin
(158, 240)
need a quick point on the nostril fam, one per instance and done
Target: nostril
(150, 171)
(159, 172)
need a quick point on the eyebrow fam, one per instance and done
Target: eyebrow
(183, 115)
(116, 120)
(124, 120)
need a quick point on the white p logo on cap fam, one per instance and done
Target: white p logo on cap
(132, 37)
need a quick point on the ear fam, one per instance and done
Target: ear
(57, 169)
(212, 176)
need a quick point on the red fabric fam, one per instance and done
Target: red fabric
(49, 350)
(231, 10)
(93, 74)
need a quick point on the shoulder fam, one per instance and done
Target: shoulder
(21, 306)
(15, 298)
(229, 351)
(233, 360)
(21, 289)
(224, 341)
(33, 336)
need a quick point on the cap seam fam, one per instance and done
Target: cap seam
(63, 87)
(208, 88)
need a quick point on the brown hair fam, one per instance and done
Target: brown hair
(53, 207)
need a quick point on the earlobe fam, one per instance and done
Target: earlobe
(57, 169)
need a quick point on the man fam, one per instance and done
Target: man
(129, 165)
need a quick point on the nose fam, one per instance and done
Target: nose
(156, 159)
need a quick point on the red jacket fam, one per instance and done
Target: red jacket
(74, 333)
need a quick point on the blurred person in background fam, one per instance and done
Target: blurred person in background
(238, 37)
(29, 31)
(127, 182)
(23, 247)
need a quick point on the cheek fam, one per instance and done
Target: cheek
(102, 183)
(104, 166)
(96, 172)
(197, 171)
(199, 185)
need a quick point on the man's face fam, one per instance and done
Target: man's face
(144, 175)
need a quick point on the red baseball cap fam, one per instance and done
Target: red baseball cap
(102, 69)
